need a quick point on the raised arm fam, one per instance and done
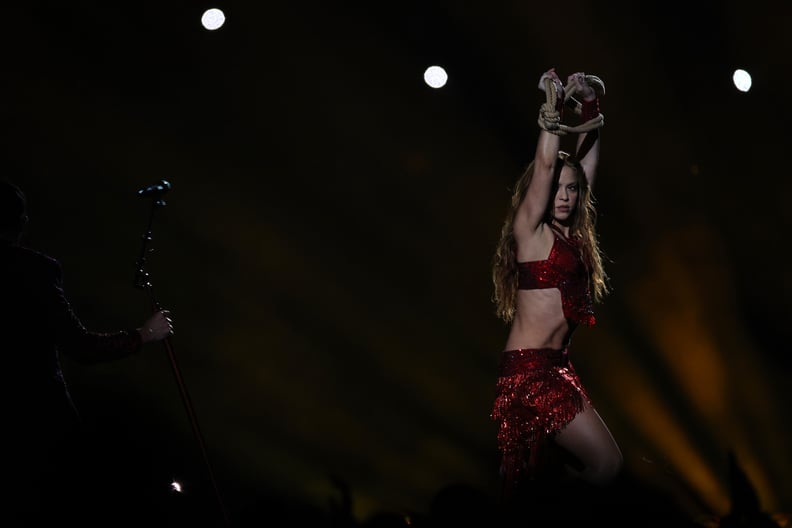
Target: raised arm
(588, 147)
(531, 210)
(588, 143)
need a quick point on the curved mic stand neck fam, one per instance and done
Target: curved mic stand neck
(141, 275)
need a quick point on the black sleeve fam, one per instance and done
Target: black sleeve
(73, 339)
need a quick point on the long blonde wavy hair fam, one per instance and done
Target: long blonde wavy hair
(583, 229)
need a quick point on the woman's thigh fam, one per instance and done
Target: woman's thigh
(591, 442)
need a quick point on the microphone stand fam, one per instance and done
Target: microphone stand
(142, 281)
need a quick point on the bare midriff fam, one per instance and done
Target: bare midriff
(539, 321)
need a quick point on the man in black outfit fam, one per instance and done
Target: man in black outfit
(37, 324)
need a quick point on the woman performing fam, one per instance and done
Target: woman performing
(547, 273)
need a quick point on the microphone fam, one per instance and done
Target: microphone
(158, 189)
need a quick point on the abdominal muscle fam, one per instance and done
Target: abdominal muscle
(539, 321)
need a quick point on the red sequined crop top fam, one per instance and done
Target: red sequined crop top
(563, 269)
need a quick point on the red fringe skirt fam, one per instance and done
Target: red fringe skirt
(538, 392)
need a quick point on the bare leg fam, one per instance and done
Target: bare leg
(588, 439)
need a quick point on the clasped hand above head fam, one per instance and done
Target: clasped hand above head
(157, 327)
(553, 77)
(576, 83)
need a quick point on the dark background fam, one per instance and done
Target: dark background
(325, 248)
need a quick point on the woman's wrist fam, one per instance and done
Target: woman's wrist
(589, 109)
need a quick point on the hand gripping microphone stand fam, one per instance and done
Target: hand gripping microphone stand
(142, 281)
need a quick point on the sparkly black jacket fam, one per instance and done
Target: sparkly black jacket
(37, 325)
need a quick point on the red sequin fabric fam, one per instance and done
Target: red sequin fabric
(538, 392)
(563, 269)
